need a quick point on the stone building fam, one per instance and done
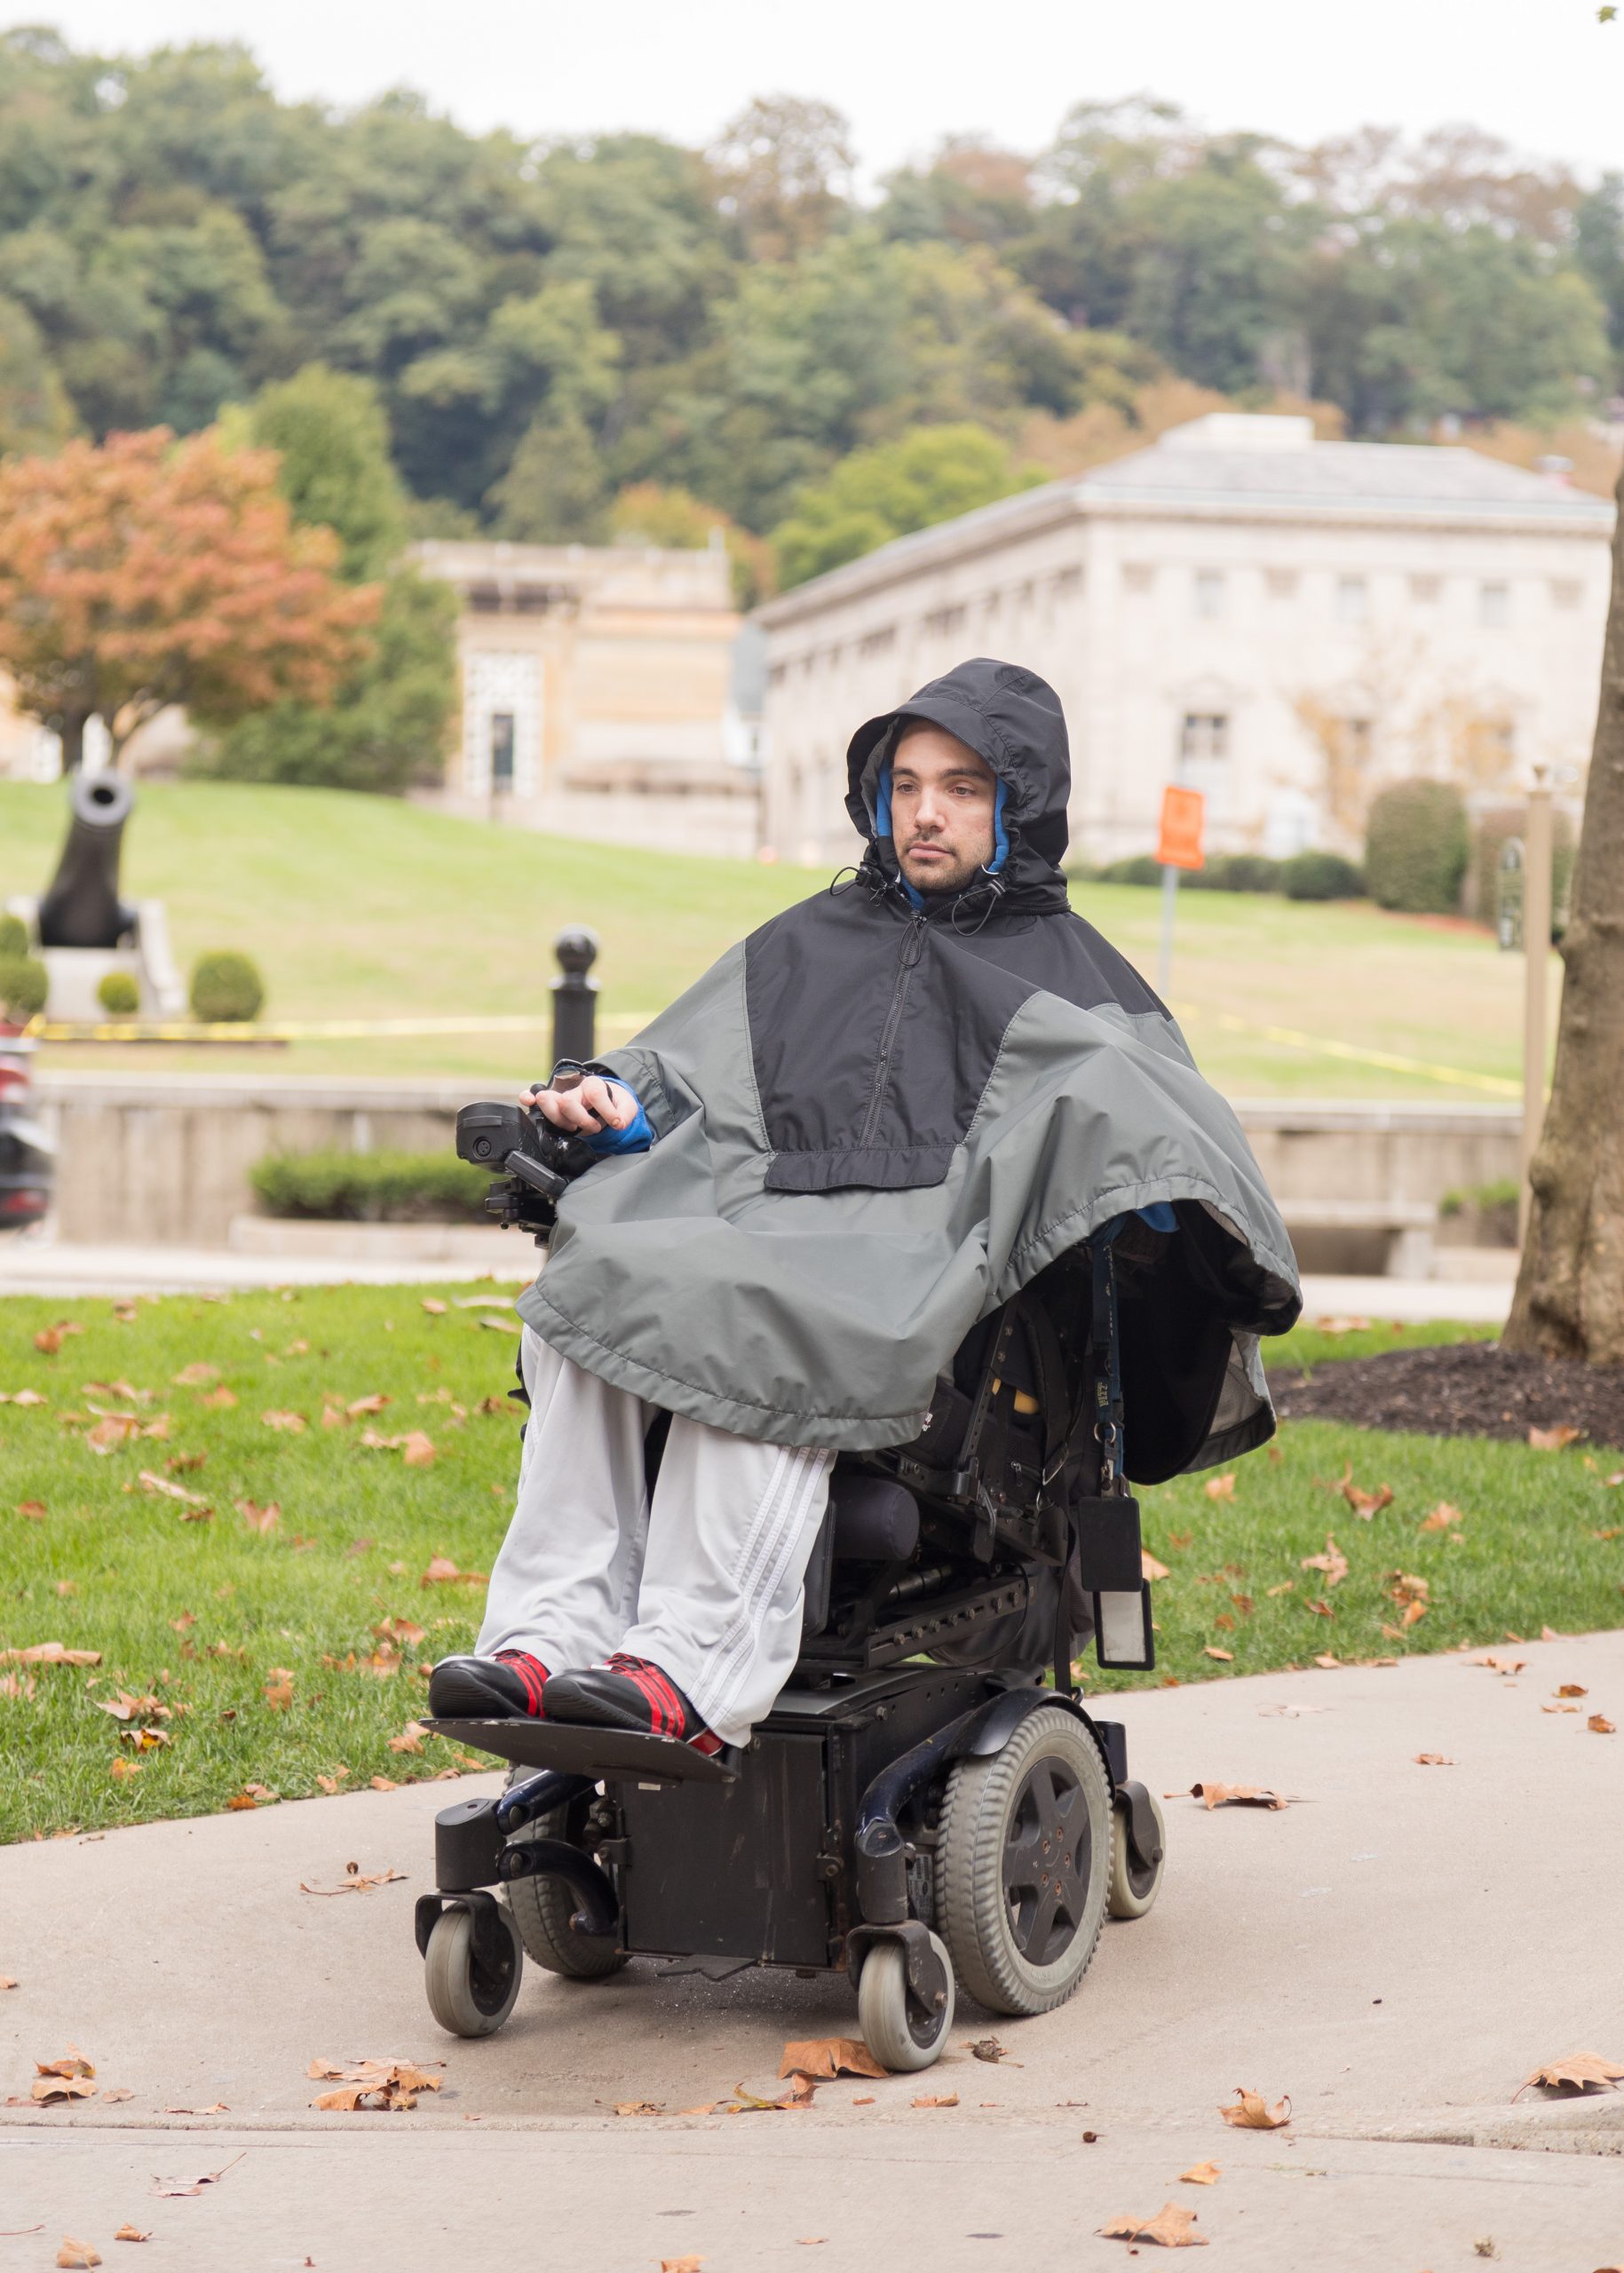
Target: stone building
(599, 693)
(1282, 622)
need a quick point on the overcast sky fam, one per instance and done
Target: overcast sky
(1541, 73)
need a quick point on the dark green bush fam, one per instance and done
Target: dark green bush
(23, 987)
(1236, 872)
(371, 1187)
(119, 995)
(1321, 876)
(226, 988)
(1141, 869)
(13, 938)
(1415, 848)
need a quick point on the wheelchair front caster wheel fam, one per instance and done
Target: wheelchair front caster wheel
(1133, 1889)
(470, 1991)
(895, 2026)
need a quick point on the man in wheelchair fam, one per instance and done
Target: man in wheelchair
(896, 1214)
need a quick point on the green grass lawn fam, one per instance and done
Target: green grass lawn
(365, 907)
(294, 1654)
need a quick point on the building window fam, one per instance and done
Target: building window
(1066, 583)
(1494, 606)
(1566, 592)
(1138, 575)
(943, 622)
(1426, 588)
(1024, 597)
(502, 751)
(1353, 599)
(877, 643)
(1209, 592)
(1204, 734)
(1282, 583)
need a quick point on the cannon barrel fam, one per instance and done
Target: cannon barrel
(83, 909)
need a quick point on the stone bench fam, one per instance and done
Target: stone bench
(1409, 1225)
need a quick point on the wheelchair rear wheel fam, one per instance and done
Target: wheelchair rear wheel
(543, 1908)
(1024, 1865)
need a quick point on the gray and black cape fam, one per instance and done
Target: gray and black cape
(877, 1118)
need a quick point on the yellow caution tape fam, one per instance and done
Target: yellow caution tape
(246, 1031)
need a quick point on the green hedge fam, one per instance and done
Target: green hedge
(23, 986)
(1321, 876)
(13, 938)
(371, 1187)
(227, 988)
(1415, 848)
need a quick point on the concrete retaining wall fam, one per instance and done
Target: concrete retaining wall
(150, 1162)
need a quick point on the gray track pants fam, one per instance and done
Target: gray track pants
(707, 1583)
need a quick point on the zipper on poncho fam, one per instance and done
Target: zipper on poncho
(912, 946)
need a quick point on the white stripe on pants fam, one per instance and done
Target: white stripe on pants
(707, 1583)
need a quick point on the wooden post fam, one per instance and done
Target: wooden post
(1536, 966)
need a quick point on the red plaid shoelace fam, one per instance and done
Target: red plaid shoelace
(669, 1714)
(531, 1672)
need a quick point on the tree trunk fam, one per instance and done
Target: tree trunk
(73, 742)
(1570, 1291)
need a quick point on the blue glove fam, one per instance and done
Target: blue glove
(636, 1137)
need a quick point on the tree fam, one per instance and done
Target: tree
(1570, 1290)
(142, 572)
(384, 728)
(783, 166)
(929, 476)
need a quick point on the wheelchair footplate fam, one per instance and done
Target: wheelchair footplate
(605, 1755)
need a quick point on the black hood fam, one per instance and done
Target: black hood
(1013, 721)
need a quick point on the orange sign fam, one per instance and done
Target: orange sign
(1182, 812)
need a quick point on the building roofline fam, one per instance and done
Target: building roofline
(1078, 496)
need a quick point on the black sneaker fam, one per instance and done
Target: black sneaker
(629, 1693)
(507, 1687)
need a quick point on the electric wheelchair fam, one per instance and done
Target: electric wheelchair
(920, 1804)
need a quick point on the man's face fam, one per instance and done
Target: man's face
(942, 802)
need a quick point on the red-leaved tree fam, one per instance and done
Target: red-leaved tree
(142, 572)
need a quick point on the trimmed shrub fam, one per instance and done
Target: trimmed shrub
(1140, 870)
(227, 988)
(23, 987)
(119, 995)
(1415, 848)
(13, 938)
(371, 1187)
(1321, 876)
(1490, 830)
(1237, 872)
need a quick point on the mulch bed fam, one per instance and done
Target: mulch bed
(1464, 1389)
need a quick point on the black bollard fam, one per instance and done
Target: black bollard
(575, 996)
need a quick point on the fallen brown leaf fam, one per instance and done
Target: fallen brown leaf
(1553, 1439)
(218, 2108)
(51, 1338)
(987, 2047)
(1239, 1796)
(1599, 1726)
(1580, 2071)
(1225, 1657)
(1442, 1517)
(294, 1423)
(116, 2092)
(380, 2083)
(1570, 1689)
(220, 1400)
(936, 2099)
(279, 1693)
(173, 2188)
(689, 2264)
(417, 1450)
(1199, 2175)
(1220, 1488)
(263, 1520)
(1434, 1759)
(1366, 1504)
(7, 1981)
(1334, 1563)
(637, 2107)
(410, 1738)
(151, 1482)
(434, 1307)
(77, 2253)
(1149, 1568)
(1286, 1586)
(34, 1509)
(1252, 2112)
(827, 2056)
(194, 1376)
(1171, 2228)
(355, 1880)
(131, 2233)
(329, 1785)
(1502, 1665)
(384, 1784)
(124, 1769)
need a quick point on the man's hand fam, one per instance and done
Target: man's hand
(592, 1106)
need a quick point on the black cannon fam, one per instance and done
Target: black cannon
(83, 909)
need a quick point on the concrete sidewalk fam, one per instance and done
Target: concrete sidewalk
(32, 1267)
(1397, 1950)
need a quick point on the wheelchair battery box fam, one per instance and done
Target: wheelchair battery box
(1109, 1560)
